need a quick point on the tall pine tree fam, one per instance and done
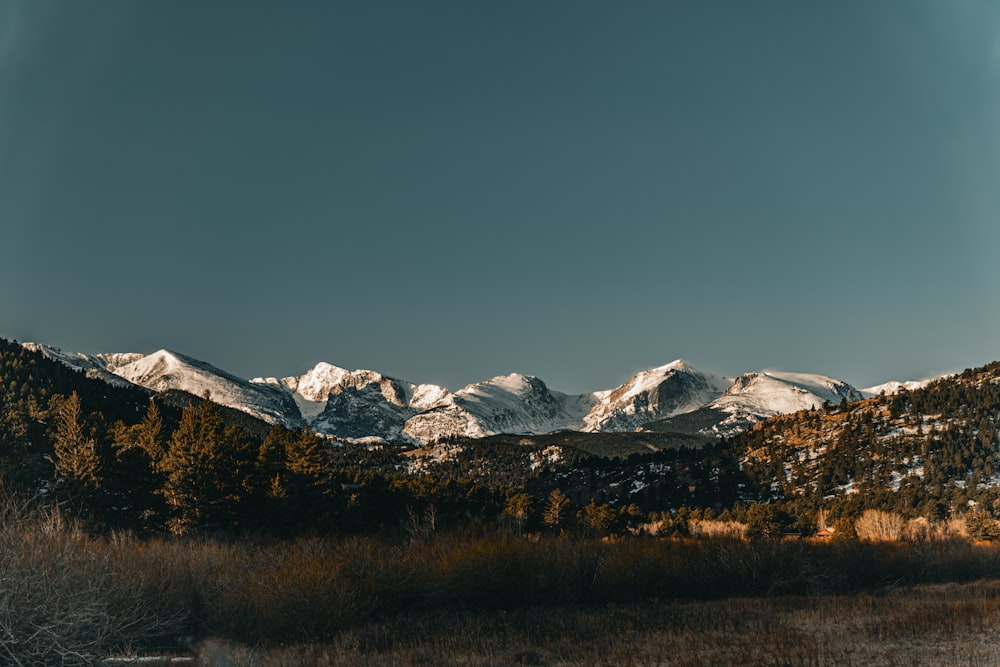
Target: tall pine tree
(75, 451)
(208, 471)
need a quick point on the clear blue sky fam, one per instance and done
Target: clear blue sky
(446, 191)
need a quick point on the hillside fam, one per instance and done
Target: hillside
(935, 444)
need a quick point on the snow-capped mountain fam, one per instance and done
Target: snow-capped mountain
(356, 404)
(894, 387)
(364, 404)
(658, 393)
(754, 397)
(360, 404)
(164, 370)
(512, 403)
(98, 366)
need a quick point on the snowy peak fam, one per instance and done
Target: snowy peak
(517, 403)
(512, 403)
(754, 397)
(165, 370)
(356, 404)
(98, 366)
(666, 391)
(679, 365)
(324, 379)
(426, 396)
(317, 383)
(895, 387)
(503, 387)
(783, 393)
(365, 404)
(72, 359)
(163, 367)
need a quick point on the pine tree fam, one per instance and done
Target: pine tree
(75, 453)
(149, 433)
(310, 494)
(518, 509)
(186, 476)
(13, 433)
(197, 475)
(306, 456)
(209, 472)
(555, 509)
(596, 519)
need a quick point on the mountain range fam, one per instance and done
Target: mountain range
(365, 405)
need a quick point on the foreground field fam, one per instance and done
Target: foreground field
(946, 624)
(68, 597)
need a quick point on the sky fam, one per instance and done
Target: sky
(448, 191)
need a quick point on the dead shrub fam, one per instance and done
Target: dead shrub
(879, 525)
(69, 599)
(703, 528)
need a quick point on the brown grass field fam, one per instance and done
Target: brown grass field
(936, 624)
(68, 597)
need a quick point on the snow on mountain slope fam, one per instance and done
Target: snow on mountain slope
(512, 403)
(317, 383)
(164, 370)
(352, 413)
(307, 409)
(523, 404)
(658, 393)
(357, 404)
(98, 366)
(366, 404)
(894, 387)
(426, 396)
(756, 396)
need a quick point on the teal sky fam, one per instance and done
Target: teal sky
(445, 191)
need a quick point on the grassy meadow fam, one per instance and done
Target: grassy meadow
(68, 597)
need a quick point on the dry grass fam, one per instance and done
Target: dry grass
(927, 625)
(66, 599)
(69, 598)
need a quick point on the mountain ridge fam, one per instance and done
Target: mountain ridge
(366, 404)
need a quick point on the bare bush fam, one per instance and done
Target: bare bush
(66, 598)
(921, 529)
(877, 525)
(704, 528)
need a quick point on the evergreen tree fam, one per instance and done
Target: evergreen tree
(306, 456)
(13, 434)
(767, 520)
(206, 471)
(555, 508)
(310, 495)
(74, 451)
(186, 476)
(518, 510)
(149, 433)
(596, 519)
